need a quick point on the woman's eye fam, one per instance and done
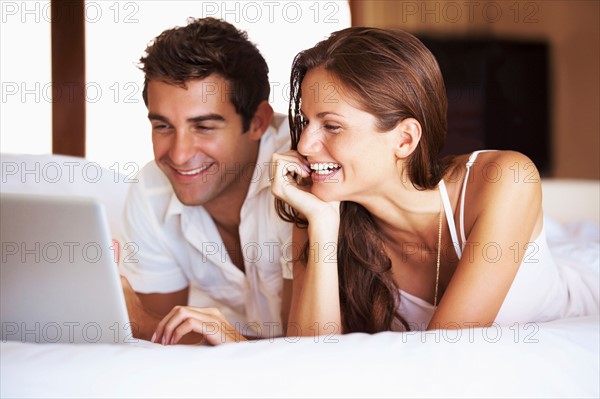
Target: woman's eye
(332, 128)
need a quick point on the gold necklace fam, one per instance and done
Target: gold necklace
(439, 252)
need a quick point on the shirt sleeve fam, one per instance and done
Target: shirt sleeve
(286, 258)
(286, 269)
(147, 262)
(282, 144)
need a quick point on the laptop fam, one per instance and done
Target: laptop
(58, 278)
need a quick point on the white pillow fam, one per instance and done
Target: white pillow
(571, 200)
(67, 175)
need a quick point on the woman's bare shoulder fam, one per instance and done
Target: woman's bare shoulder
(495, 166)
(495, 176)
(505, 176)
(504, 169)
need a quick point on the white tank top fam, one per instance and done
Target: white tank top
(541, 291)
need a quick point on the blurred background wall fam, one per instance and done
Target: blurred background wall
(572, 30)
(116, 131)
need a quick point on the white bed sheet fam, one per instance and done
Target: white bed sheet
(555, 359)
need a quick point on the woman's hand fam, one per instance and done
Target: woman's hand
(210, 323)
(315, 295)
(290, 182)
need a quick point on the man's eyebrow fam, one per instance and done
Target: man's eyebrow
(209, 117)
(195, 119)
(157, 117)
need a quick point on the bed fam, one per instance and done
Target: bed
(554, 359)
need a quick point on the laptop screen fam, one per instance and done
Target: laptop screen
(58, 278)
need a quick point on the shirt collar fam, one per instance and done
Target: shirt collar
(174, 208)
(275, 139)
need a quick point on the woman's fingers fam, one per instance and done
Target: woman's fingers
(289, 167)
(288, 174)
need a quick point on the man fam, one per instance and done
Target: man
(201, 217)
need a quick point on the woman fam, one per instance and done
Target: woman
(392, 236)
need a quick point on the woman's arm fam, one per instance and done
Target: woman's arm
(315, 307)
(502, 213)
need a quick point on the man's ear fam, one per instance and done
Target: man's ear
(260, 121)
(408, 135)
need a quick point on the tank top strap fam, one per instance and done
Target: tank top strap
(450, 217)
(461, 218)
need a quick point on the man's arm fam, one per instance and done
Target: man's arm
(161, 304)
(147, 310)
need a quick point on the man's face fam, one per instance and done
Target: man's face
(198, 140)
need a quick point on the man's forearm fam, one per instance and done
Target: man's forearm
(143, 324)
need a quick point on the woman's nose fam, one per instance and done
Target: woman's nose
(310, 141)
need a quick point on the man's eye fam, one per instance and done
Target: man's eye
(204, 128)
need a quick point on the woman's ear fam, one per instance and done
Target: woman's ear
(260, 121)
(407, 137)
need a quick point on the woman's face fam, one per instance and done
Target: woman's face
(349, 158)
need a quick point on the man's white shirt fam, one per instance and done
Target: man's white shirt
(170, 246)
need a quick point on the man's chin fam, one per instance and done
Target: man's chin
(190, 199)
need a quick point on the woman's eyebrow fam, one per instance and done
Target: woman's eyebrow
(326, 113)
(323, 114)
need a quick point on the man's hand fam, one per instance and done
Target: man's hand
(183, 324)
(208, 322)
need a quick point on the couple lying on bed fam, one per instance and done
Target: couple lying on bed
(370, 231)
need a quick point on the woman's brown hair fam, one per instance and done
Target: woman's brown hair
(393, 76)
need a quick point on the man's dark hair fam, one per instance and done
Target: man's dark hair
(204, 47)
